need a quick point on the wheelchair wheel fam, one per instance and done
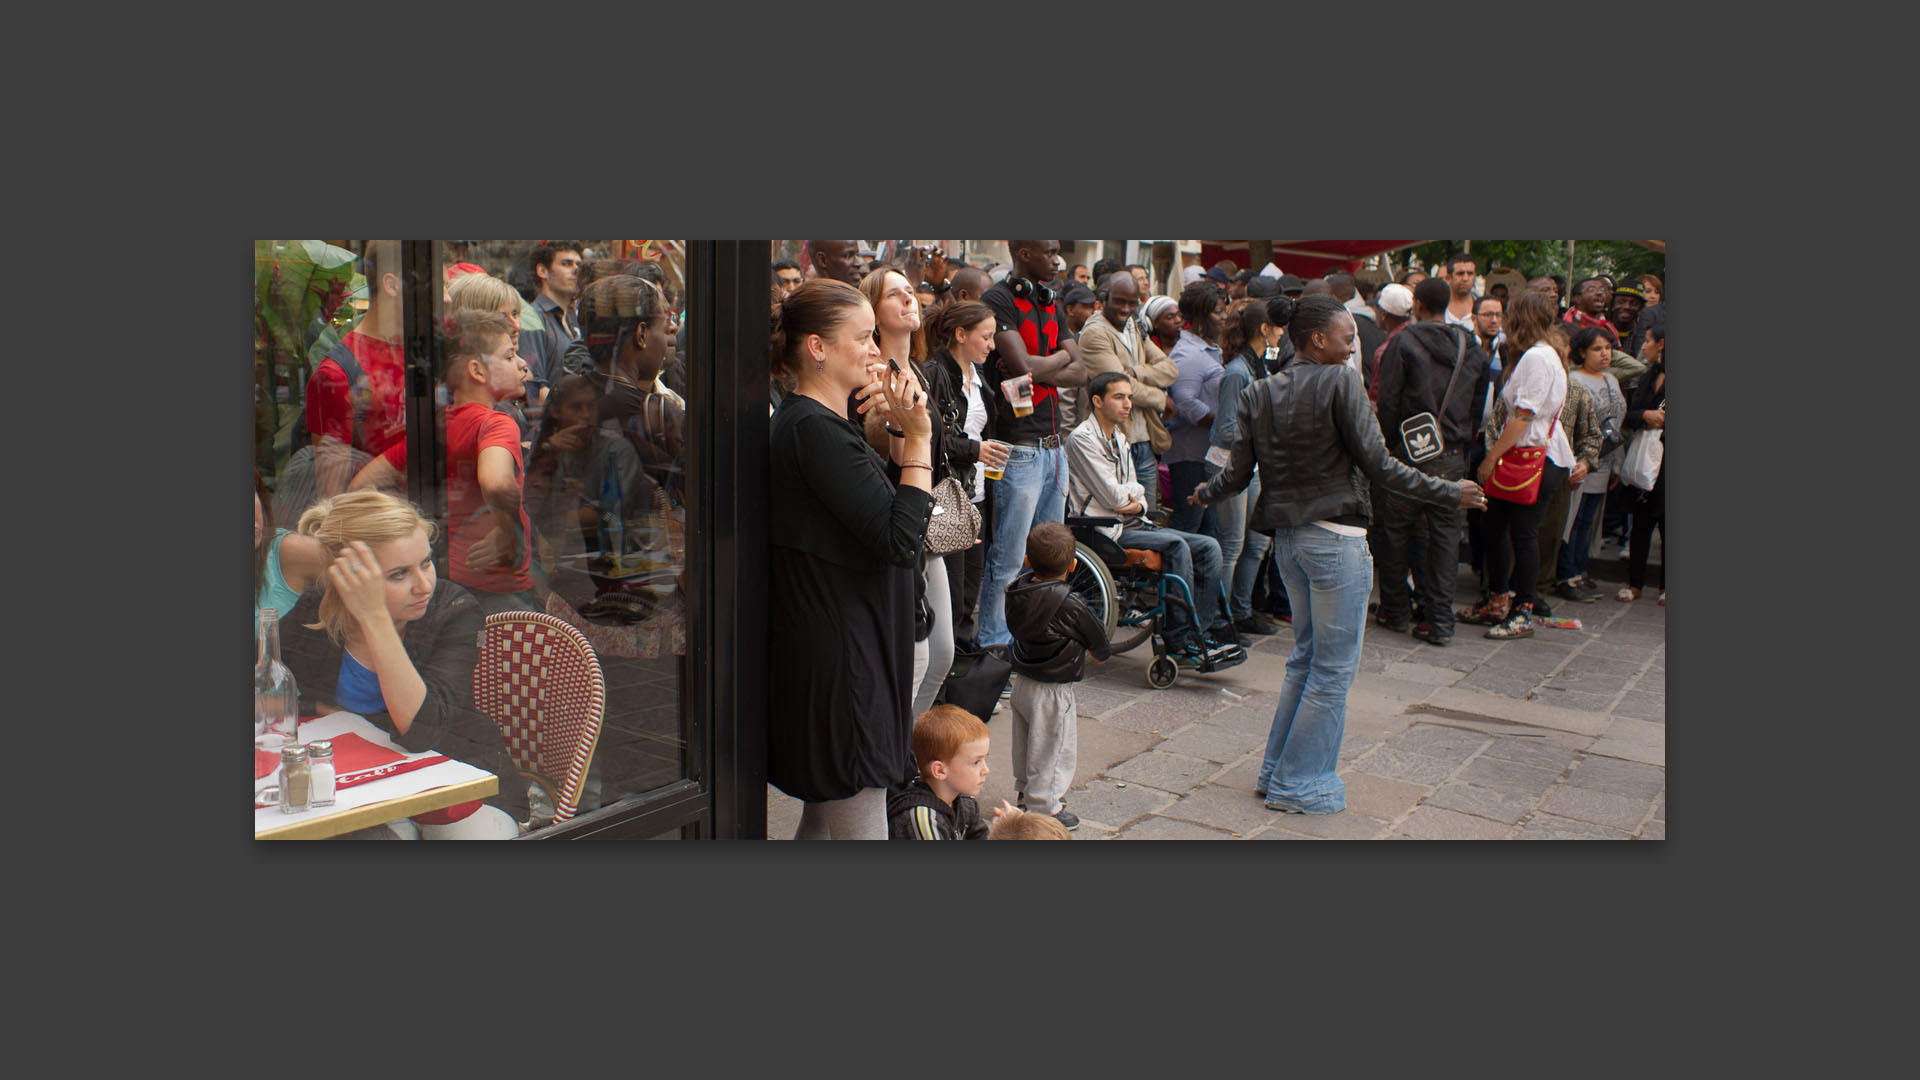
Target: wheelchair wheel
(1092, 582)
(1161, 673)
(1126, 636)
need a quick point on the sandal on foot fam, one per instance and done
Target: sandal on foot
(1627, 594)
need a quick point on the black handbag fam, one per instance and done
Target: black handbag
(976, 686)
(1610, 439)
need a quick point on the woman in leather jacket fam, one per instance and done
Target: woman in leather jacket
(1314, 437)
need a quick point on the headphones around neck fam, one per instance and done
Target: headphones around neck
(1022, 289)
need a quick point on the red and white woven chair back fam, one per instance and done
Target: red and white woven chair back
(541, 683)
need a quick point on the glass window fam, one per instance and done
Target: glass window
(539, 420)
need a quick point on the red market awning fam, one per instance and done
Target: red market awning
(1302, 258)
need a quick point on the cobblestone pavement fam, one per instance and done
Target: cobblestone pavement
(1557, 736)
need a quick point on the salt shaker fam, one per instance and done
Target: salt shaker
(296, 778)
(320, 772)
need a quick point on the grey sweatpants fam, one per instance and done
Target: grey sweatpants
(1045, 742)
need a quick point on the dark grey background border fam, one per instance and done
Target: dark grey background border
(711, 150)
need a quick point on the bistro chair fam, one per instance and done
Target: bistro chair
(539, 680)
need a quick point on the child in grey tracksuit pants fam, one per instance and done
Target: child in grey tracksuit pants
(1053, 630)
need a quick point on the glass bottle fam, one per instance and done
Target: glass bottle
(296, 779)
(320, 773)
(277, 698)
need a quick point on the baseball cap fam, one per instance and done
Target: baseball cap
(1219, 275)
(1292, 285)
(1396, 300)
(1191, 274)
(1244, 276)
(1630, 288)
(1262, 287)
(1076, 293)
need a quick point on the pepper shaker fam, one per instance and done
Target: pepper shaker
(320, 772)
(295, 779)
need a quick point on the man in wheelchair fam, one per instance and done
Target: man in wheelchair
(1101, 475)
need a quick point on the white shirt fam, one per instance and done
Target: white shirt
(975, 425)
(1539, 385)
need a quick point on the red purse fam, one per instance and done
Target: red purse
(1516, 476)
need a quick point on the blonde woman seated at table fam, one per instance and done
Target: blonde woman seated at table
(381, 636)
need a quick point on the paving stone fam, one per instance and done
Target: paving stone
(1631, 779)
(1534, 752)
(1203, 740)
(1401, 765)
(1154, 717)
(1453, 657)
(1653, 830)
(1549, 827)
(1485, 802)
(1635, 740)
(1607, 686)
(1624, 652)
(1244, 720)
(1277, 833)
(1352, 748)
(1241, 776)
(1642, 705)
(1574, 699)
(1100, 747)
(1222, 808)
(1599, 807)
(1602, 667)
(1435, 823)
(1175, 773)
(1436, 740)
(1380, 797)
(1489, 680)
(1421, 671)
(1511, 777)
(1095, 700)
(1538, 714)
(1159, 828)
(1345, 825)
(1105, 802)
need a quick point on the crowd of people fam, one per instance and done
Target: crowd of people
(1273, 439)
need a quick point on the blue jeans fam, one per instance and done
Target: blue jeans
(1146, 469)
(1028, 494)
(1240, 549)
(1328, 578)
(1185, 555)
(1578, 549)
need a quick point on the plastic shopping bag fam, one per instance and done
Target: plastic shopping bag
(1642, 467)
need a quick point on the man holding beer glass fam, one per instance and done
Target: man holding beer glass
(1030, 359)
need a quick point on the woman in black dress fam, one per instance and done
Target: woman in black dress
(846, 537)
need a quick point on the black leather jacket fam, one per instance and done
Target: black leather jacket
(1053, 630)
(1317, 442)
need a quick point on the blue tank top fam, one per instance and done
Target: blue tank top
(274, 591)
(359, 689)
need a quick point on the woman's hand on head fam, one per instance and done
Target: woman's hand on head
(354, 576)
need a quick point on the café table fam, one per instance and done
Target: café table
(436, 786)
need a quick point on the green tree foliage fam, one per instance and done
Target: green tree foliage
(1538, 258)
